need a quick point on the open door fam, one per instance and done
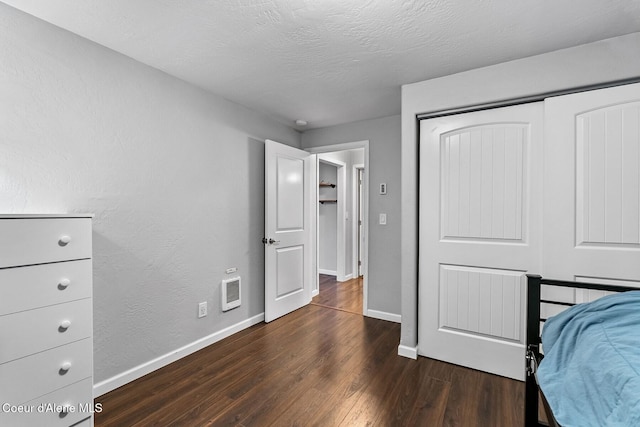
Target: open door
(290, 176)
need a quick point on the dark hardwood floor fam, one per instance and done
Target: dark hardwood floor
(345, 296)
(317, 366)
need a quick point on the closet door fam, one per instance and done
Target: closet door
(592, 187)
(479, 235)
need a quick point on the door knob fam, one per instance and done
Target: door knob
(271, 241)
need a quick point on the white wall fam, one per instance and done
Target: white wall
(607, 60)
(174, 176)
(384, 166)
(327, 221)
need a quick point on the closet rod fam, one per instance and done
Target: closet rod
(525, 99)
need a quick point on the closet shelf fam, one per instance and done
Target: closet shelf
(327, 184)
(328, 201)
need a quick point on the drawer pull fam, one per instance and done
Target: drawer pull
(64, 240)
(64, 325)
(64, 283)
(64, 411)
(64, 368)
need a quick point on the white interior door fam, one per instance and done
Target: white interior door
(592, 187)
(289, 228)
(479, 235)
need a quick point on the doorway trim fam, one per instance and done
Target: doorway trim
(365, 250)
(357, 255)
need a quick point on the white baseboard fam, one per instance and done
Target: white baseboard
(383, 315)
(344, 278)
(406, 351)
(327, 272)
(134, 373)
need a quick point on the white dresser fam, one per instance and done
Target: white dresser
(46, 327)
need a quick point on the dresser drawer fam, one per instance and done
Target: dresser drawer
(43, 411)
(24, 288)
(36, 241)
(28, 332)
(43, 373)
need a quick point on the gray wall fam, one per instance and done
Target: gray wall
(603, 61)
(174, 176)
(327, 220)
(384, 166)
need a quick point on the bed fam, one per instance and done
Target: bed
(589, 373)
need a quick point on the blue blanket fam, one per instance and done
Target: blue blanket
(591, 370)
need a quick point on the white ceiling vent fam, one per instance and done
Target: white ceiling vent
(230, 293)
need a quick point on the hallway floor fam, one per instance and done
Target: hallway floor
(345, 296)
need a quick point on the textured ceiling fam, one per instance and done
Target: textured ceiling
(331, 61)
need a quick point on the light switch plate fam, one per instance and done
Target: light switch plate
(383, 219)
(202, 309)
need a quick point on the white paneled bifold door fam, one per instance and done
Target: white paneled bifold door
(498, 199)
(479, 235)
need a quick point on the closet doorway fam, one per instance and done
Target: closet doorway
(342, 217)
(331, 203)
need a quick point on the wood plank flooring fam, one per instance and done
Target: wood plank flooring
(345, 296)
(317, 366)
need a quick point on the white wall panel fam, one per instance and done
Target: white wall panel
(290, 188)
(483, 172)
(289, 270)
(608, 176)
(588, 295)
(482, 301)
(631, 174)
(577, 296)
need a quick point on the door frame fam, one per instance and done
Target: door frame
(357, 256)
(365, 185)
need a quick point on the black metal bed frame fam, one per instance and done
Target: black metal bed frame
(533, 355)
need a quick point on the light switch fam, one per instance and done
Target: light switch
(383, 219)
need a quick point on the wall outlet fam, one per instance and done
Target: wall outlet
(202, 309)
